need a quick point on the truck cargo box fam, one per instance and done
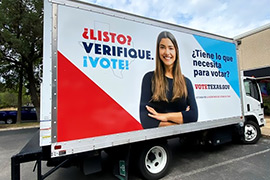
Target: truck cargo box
(94, 63)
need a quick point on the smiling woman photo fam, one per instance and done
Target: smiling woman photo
(167, 96)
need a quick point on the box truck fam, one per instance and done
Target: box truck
(118, 82)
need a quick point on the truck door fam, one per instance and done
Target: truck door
(253, 99)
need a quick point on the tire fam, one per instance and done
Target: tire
(154, 161)
(252, 132)
(9, 121)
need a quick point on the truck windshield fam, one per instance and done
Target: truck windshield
(252, 89)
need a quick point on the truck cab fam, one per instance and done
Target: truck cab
(253, 109)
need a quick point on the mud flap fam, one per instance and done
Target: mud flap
(121, 164)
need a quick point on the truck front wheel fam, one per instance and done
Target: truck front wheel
(252, 132)
(154, 161)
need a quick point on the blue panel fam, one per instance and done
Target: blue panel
(224, 49)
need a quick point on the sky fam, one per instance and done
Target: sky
(223, 17)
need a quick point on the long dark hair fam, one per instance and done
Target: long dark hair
(159, 81)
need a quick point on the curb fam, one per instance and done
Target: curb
(265, 136)
(266, 128)
(18, 128)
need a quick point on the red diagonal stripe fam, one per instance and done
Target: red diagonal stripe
(84, 110)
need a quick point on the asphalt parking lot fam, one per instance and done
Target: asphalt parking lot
(229, 161)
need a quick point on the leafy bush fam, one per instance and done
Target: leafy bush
(10, 99)
(266, 103)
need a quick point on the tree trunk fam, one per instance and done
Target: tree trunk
(19, 110)
(33, 90)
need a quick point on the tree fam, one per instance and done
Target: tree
(21, 23)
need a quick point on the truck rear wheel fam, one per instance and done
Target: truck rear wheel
(252, 132)
(154, 161)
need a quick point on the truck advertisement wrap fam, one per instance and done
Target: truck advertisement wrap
(104, 70)
(103, 59)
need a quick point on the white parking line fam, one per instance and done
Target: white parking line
(221, 164)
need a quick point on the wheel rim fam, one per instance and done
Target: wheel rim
(156, 159)
(9, 121)
(250, 132)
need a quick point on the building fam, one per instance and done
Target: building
(254, 59)
(254, 55)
